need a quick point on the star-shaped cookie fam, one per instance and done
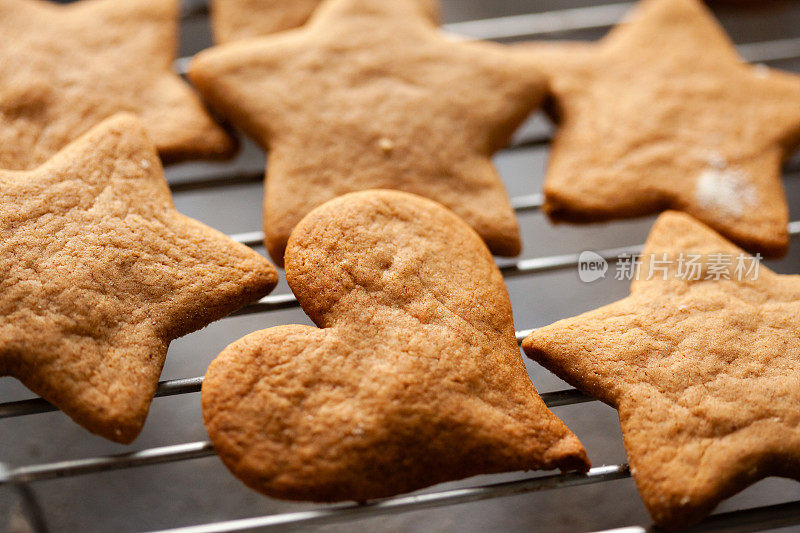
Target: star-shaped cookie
(98, 273)
(705, 372)
(663, 113)
(244, 19)
(65, 68)
(368, 94)
(415, 377)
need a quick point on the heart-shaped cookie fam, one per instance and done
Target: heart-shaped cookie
(414, 379)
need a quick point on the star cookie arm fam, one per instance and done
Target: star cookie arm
(565, 64)
(501, 87)
(677, 238)
(99, 274)
(673, 25)
(743, 199)
(583, 351)
(245, 19)
(180, 126)
(111, 57)
(174, 116)
(685, 459)
(579, 186)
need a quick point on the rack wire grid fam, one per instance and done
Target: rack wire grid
(54, 473)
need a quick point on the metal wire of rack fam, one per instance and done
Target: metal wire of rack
(502, 28)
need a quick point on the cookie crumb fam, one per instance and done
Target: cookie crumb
(386, 144)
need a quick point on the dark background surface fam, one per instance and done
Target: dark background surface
(198, 491)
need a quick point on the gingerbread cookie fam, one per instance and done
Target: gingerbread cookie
(415, 377)
(232, 20)
(704, 370)
(368, 95)
(65, 68)
(98, 273)
(663, 113)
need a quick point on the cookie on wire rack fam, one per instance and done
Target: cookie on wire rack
(65, 68)
(369, 94)
(99, 272)
(413, 377)
(664, 114)
(702, 361)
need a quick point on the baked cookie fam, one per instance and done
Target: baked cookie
(98, 273)
(705, 372)
(663, 113)
(244, 19)
(369, 95)
(65, 68)
(414, 379)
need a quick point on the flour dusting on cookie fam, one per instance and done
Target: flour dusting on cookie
(726, 189)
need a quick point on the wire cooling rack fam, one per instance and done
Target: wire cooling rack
(20, 478)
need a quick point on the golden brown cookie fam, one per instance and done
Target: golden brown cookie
(705, 373)
(369, 95)
(65, 68)
(98, 273)
(663, 113)
(232, 20)
(415, 378)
